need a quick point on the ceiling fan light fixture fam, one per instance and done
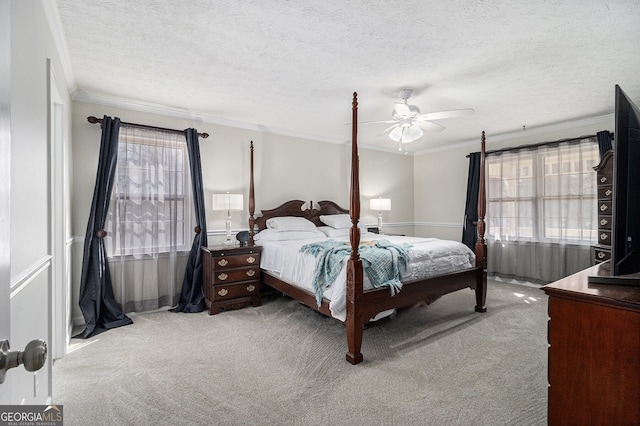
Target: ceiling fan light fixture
(408, 122)
(406, 136)
(396, 134)
(415, 132)
(404, 111)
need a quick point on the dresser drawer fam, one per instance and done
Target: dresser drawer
(605, 192)
(604, 207)
(602, 254)
(234, 275)
(604, 237)
(604, 222)
(223, 292)
(235, 261)
(605, 176)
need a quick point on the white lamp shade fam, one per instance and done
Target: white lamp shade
(380, 204)
(227, 201)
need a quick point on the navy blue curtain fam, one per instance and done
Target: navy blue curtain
(604, 142)
(98, 305)
(470, 226)
(192, 295)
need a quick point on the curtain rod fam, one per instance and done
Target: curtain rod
(93, 120)
(537, 145)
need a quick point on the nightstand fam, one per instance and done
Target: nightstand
(375, 231)
(231, 277)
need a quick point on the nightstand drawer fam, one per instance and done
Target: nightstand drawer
(235, 261)
(234, 275)
(233, 291)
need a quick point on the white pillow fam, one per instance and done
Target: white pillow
(337, 221)
(341, 232)
(290, 223)
(275, 235)
(334, 232)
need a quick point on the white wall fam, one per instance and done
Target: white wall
(286, 168)
(441, 175)
(427, 190)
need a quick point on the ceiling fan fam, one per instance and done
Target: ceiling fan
(408, 122)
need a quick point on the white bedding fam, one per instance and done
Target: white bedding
(428, 257)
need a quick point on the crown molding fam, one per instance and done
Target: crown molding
(113, 101)
(116, 102)
(604, 120)
(53, 17)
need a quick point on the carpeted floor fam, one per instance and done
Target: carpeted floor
(284, 364)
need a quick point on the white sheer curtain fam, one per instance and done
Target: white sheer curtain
(542, 210)
(149, 220)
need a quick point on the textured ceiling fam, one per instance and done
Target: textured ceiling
(293, 65)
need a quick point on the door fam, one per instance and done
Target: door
(5, 182)
(59, 223)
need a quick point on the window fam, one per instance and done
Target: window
(150, 210)
(547, 194)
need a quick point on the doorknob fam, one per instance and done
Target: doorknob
(33, 357)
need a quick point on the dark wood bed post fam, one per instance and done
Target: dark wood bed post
(252, 201)
(481, 245)
(354, 322)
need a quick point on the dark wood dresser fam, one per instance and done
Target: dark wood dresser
(604, 170)
(594, 352)
(231, 277)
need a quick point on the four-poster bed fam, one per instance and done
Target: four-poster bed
(363, 304)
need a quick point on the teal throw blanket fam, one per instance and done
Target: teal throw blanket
(381, 259)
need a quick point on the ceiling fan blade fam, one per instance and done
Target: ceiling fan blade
(402, 110)
(389, 128)
(447, 114)
(373, 122)
(428, 125)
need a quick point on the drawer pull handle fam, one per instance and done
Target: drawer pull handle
(223, 292)
(223, 276)
(603, 208)
(251, 272)
(223, 262)
(603, 179)
(601, 254)
(604, 236)
(603, 222)
(251, 259)
(608, 192)
(251, 288)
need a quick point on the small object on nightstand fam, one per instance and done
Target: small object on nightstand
(243, 238)
(231, 277)
(375, 231)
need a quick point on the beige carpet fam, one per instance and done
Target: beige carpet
(283, 363)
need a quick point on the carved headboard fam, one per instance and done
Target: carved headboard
(294, 208)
